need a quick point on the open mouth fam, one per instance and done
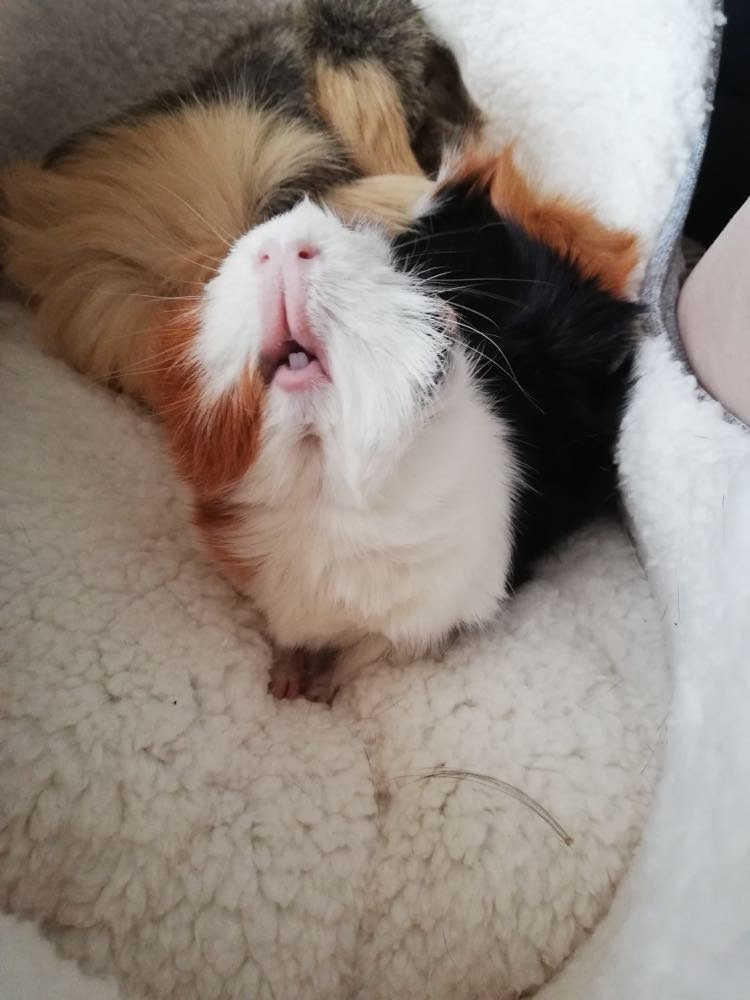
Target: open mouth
(292, 366)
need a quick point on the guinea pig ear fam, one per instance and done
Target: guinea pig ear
(452, 119)
(599, 253)
(450, 320)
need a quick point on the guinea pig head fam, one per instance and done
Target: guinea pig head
(309, 339)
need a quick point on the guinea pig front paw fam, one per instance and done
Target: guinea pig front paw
(285, 675)
(302, 673)
(322, 685)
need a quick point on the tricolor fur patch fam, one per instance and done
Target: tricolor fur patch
(143, 209)
(605, 255)
(538, 287)
(142, 215)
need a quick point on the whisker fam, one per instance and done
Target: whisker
(509, 279)
(485, 295)
(198, 215)
(115, 294)
(454, 232)
(505, 371)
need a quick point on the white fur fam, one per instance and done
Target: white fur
(380, 501)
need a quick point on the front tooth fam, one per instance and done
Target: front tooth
(298, 360)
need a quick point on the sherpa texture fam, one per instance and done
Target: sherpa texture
(680, 925)
(174, 824)
(170, 824)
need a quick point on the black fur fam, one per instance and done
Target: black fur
(553, 353)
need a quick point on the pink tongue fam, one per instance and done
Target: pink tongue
(298, 360)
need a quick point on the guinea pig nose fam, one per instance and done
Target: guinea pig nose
(307, 250)
(269, 251)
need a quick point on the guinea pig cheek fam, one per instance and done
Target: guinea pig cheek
(214, 438)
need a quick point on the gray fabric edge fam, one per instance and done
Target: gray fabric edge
(661, 284)
(660, 288)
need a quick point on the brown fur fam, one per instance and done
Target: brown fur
(125, 216)
(212, 443)
(145, 213)
(216, 521)
(360, 103)
(598, 252)
(388, 199)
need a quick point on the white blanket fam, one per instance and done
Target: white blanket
(161, 816)
(680, 925)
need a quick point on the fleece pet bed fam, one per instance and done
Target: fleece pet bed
(680, 923)
(161, 818)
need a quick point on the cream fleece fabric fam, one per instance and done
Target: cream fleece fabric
(680, 925)
(164, 820)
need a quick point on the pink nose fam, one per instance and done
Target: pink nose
(285, 277)
(289, 255)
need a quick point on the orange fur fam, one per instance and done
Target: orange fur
(145, 212)
(388, 200)
(213, 443)
(605, 255)
(360, 103)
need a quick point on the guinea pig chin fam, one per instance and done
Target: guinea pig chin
(347, 347)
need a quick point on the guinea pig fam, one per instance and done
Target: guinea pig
(316, 99)
(381, 434)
